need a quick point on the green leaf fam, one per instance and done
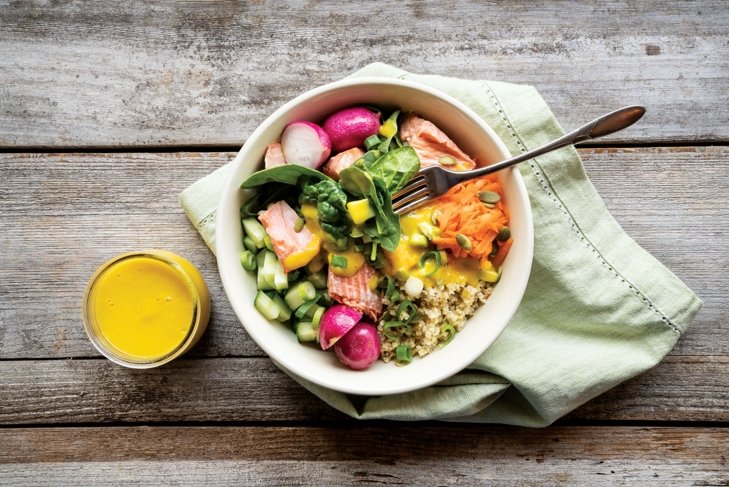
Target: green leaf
(385, 227)
(288, 174)
(395, 168)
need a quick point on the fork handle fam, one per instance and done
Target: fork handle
(607, 124)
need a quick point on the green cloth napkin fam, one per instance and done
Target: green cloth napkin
(598, 308)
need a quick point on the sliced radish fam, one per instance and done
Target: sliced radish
(335, 323)
(306, 144)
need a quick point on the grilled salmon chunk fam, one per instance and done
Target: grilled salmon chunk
(340, 162)
(356, 291)
(433, 146)
(293, 249)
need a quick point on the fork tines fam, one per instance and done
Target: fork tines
(412, 195)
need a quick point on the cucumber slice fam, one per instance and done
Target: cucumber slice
(249, 244)
(284, 312)
(299, 294)
(255, 231)
(305, 332)
(280, 280)
(266, 306)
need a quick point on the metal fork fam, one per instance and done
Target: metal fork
(433, 181)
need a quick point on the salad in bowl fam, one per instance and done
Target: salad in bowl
(329, 280)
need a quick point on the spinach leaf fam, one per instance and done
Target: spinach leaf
(288, 174)
(331, 205)
(395, 168)
(265, 195)
(384, 228)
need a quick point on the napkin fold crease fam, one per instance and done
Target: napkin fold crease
(598, 308)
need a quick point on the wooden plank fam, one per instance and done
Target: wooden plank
(178, 73)
(65, 214)
(392, 455)
(236, 389)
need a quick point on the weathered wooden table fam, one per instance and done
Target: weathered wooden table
(108, 111)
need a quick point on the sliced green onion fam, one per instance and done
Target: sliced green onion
(398, 326)
(403, 354)
(248, 260)
(373, 252)
(408, 309)
(372, 141)
(339, 261)
(316, 318)
(450, 332)
(433, 255)
(268, 243)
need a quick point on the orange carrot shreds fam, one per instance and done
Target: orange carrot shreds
(475, 210)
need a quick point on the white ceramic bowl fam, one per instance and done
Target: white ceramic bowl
(278, 341)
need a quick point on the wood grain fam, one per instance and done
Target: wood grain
(253, 390)
(353, 455)
(65, 214)
(199, 73)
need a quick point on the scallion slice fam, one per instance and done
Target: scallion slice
(433, 255)
(339, 261)
(403, 354)
(390, 327)
(450, 332)
(372, 141)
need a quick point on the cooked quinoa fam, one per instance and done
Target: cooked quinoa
(437, 306)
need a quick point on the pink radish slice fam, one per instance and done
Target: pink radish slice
(360, 347)
(306, 144)
(336, 321)
(350, 127)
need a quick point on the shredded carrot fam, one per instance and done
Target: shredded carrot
(460, 211)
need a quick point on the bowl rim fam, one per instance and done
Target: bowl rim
(386, 387)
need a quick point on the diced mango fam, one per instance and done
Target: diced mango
(355, 261)
(300, 259)
(388, 129)
(360, 211)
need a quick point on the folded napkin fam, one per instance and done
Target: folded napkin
(598, 308)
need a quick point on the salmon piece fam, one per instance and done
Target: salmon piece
(341, 161)
(293, 249)
(274, 156)
(355, 291)
(430, 144)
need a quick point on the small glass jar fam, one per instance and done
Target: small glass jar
(144, 309)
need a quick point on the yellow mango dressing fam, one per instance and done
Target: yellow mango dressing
(144, 309)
